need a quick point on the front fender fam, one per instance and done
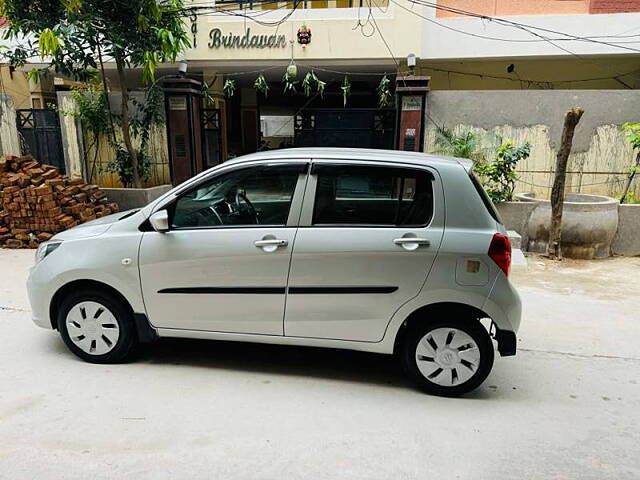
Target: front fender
(112, 260)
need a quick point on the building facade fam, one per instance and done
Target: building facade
(542, 44)
(242, 51)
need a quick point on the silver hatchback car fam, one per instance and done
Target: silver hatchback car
(379, 251)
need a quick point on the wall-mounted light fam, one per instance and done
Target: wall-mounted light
(411, 63)
(182, 67)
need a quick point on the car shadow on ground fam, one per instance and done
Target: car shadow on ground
(334, 364)
(321, 363)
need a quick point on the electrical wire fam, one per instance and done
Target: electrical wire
(522, 26)
(513, 40)
(204, 11)
(441, 70)
(539, 37)
(607, 182)
(565, 37)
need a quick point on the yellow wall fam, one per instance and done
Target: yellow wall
(516, 7)
(504, 8)
(548, 73)
(99, 153)
(16, 85)
(333, 37)
(608, 152)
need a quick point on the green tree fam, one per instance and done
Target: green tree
(73, 37)
(462, 145)
(632, 132)
(499, 177)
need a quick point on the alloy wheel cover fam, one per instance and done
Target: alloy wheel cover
(92, 327)
(447, 356)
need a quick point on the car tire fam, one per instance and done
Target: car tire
(97, 326)
(448, 357)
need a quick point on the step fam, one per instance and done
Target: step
(516, 239)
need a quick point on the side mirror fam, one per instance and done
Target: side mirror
(160, 221)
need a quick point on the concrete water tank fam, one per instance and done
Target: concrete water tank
(589, 224)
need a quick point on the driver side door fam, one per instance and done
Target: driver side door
(223, 264)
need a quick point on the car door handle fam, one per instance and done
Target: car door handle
(415, 240)
(275, 242)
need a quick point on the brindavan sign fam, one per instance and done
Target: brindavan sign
(217, 39)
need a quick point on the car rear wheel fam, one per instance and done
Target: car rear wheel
(97, 327)
(448, 357)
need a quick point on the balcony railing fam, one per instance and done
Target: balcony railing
(275, 5)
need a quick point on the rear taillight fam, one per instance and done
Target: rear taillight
(500, 252)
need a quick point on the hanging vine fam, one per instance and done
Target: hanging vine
(384, 92)
(229, 88)
(311, 83)
(261, 85)
(289, 83)
(346, 90)
(320, 86)
(308, 83)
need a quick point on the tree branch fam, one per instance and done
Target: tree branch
(557, 192)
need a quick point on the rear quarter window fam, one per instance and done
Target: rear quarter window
(491, 208)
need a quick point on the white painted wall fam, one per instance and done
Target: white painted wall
(441, 43)
(9, 139)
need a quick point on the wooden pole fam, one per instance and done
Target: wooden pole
(627, 185)
(557, 192)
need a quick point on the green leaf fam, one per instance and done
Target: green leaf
(261, 85)
(149, 63)
(143, 23)
(48, 43)
(632, 132)
(384, 93)
(72, 6)
(307, 83)
(499, 177)
(289, 82)
(346, 90)
(320, 86)
(154, 10)
(229, 88)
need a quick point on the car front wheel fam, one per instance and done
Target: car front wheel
(448, 357)
(97, 327)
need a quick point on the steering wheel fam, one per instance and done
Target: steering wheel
(251, 210)
(206, 216)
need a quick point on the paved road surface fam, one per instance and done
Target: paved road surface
(567, 406)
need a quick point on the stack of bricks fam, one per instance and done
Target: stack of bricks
(36, 202)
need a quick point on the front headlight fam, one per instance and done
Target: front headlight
(45, 249)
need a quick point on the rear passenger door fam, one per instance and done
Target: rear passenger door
(367, 238)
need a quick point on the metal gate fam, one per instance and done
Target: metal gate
(40, 131)
(211, 138)
(357, 127)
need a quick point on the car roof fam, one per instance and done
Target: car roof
(365, 154)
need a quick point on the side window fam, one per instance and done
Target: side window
(246, 197)
(375, 196)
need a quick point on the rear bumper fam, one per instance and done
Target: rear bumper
(506, 342)
(504, 307)
(503, 304)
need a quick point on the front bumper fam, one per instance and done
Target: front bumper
(39, 298)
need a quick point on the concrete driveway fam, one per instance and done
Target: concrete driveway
(567, 406)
